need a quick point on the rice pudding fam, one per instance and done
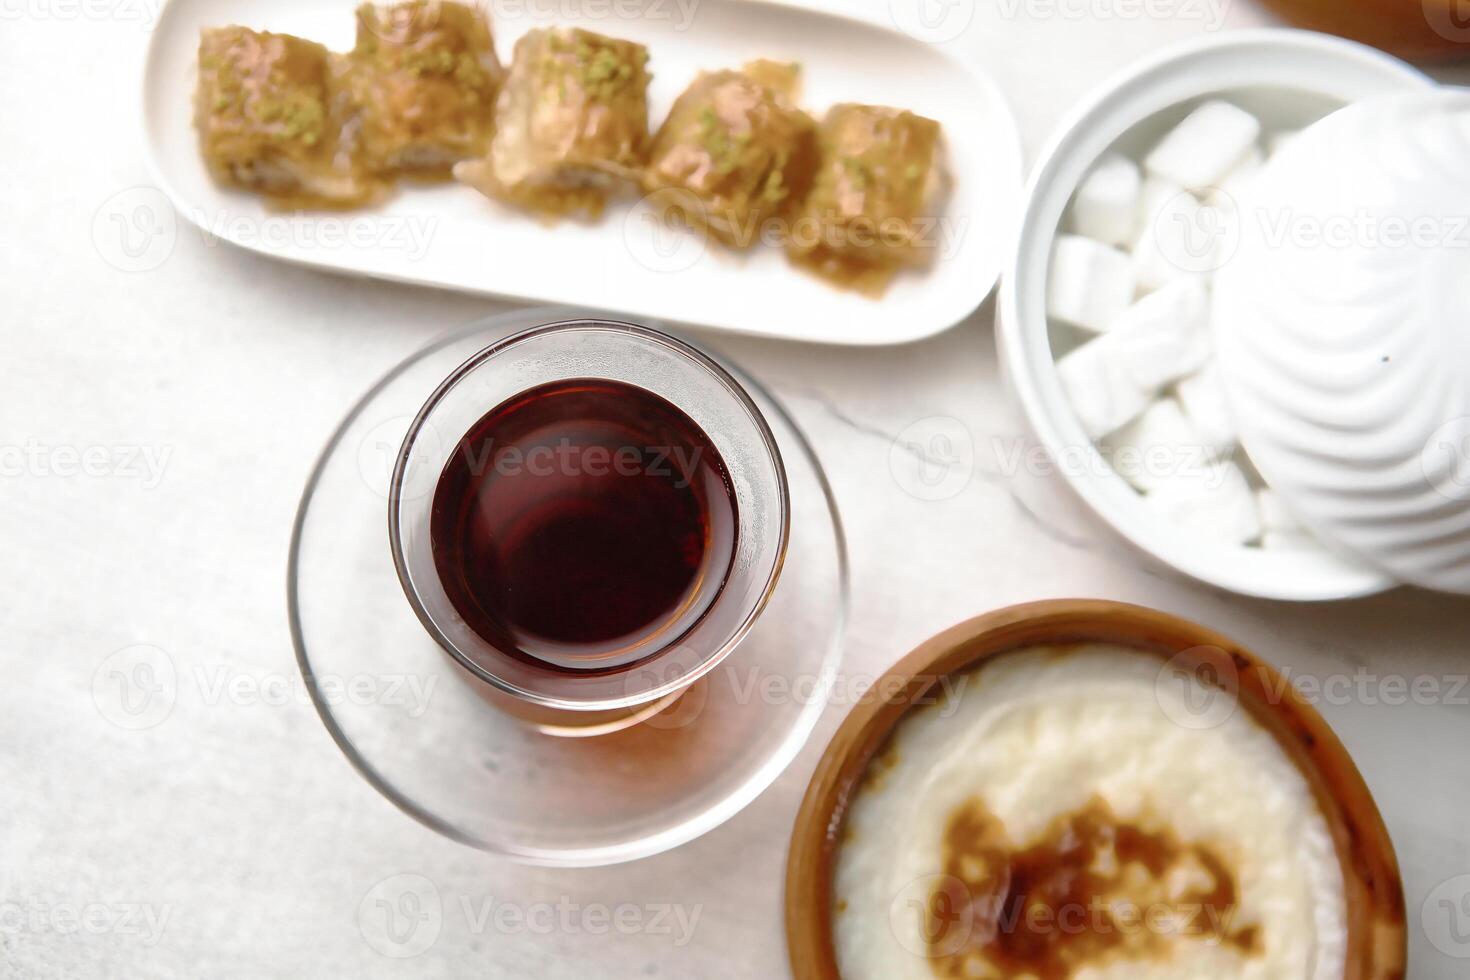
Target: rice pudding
(1062, 817)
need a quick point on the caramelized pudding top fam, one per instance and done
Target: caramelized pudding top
(1075, 896)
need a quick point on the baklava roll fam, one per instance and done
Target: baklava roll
(267, 113)
(874, 204)
(733, 153)
(570, 124)
(424, 77)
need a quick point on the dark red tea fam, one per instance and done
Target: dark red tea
(583, 525)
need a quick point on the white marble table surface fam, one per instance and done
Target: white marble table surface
(232, 839)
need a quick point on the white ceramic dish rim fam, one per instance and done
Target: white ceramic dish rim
(900, 326)
(1025, 350)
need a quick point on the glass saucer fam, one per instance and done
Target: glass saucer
(412, 724)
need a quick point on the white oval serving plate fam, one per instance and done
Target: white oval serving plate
(451, 237)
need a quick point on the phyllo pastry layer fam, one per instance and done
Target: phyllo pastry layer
(571, 123)
(874, 204)
(268, 113)
(734, 152)
(424, 77)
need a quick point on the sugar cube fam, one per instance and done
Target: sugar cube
(1181, 239)
(1089, 283)
(1160, 445)
(1163, 337)
(1202, 149)
(1202, 396)
(1217, 503)
(1155, 193)
(1106, 206)
(1102, 390)
(1156, 341)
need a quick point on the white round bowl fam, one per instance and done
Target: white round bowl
(1289, 79)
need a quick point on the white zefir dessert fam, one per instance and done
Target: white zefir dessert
(1130, 281)
(1083, 812)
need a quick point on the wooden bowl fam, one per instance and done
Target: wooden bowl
(1374, 891)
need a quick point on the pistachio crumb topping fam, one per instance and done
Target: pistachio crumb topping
(299, 116)
(774, 190)
(431, 61)
(725, 148)
(857, 172)
(597, 69)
